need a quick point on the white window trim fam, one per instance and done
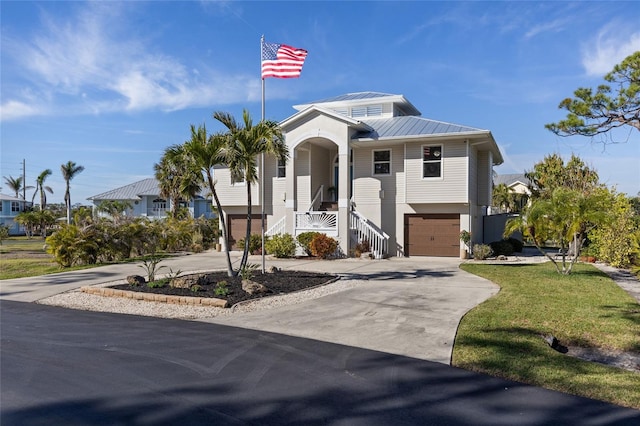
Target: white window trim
(441, 177)
(373, 162)
(278, 167)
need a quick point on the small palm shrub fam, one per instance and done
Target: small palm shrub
(323, 246)
(281, 245)
(305, 239)
(255, 243)
(221, 289)
(481, 251)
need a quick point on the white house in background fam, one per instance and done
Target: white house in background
(144, 198)
(10, 207)
(518, 183)
(366, 166)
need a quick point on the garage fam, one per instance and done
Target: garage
(432, 235)
(237, 227)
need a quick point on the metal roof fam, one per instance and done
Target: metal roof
(395, 127)
(132, 191)
(352, 97)
(5, 197)
(510, 179)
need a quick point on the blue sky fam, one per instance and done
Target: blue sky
(110, 85)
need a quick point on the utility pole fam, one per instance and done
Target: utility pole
(24, 181)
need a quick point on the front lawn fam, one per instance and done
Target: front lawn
(503, 336)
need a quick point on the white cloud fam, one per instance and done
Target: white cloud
(556, 25)
(91, 64)
(608, 48)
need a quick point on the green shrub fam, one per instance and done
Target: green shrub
(221, 289)
(501, 248)
(323, 246)
(305, 239)
(157, 284)
(281, 245)
(248, 271)
(516, 244)
(195, 288)
(481, 251)
(255, 243)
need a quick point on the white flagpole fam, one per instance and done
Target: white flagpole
(262, 161)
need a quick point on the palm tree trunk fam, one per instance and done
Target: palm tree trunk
(223, 225)
(247, 238)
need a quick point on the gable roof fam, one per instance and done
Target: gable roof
(511, 179)
(133, 191)
(5, 197)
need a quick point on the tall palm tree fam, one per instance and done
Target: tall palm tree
(69, 171)
(206, 153)
(42, 188)
(245, 143)
(178, 177)
(16, 185)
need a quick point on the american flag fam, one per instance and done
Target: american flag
(282, 61)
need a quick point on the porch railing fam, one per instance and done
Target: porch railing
(319, 195)
(363, 230)
(277, 228)
(325, 222)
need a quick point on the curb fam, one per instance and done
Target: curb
(152, 297)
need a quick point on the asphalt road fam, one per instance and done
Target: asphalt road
(65, 367)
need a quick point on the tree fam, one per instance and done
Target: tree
(116, 209)
(178, 178)
(566, 216)
(16, 185)
(552, 173)
(245, 143)
(206, 153)
(592, 113)
(69, 171)
(42, 188)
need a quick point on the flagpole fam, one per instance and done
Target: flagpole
(262, 165)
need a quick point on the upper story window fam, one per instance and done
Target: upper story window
(366, 111)
(282, 169)
(0, 206)
(15, 206)
(382, 162)
(432, 161)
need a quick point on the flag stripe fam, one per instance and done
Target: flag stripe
(282, 61)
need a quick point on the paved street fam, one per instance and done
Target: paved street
(61, 366)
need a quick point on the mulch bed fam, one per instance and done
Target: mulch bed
(280, 282)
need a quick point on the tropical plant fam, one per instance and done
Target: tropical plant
(4, 233)
(304, 239)
(152, 266)
(42, 188)
(178, 178)
(69, 171)
(221, 289)
(248, 271)
(29, 221)
(116, 209)
(552, 173)
(246, 142)
(16, 185)
(255, 243)
(592, 113)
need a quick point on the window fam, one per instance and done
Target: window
(382, 162)
(0, 206)
(432, 161)
(282, 168)
(159, 205)
(15, 206)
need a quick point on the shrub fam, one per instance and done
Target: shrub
(516, 244)
(248, 271)
(501, 248)
(481, 251)
(150, 265)
(323, 246)
(255, 243)
(305, 239)
(282, 245)
(361, 247)
(157, 284)
(196, 288)
(221, 289)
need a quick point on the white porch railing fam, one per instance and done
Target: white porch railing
(325, 222)
(363, 230)
(277, 228)
(319, 195)
(157, 213)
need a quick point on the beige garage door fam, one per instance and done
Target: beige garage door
(432, 234)
(237, 226)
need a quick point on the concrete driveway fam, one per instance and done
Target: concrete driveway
(405, 306)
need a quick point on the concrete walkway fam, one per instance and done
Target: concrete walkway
(405, 306)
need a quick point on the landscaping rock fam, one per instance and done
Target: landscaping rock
(135, 280)
(187, 281)
(253, 287)
(273, 269)
(555, 344)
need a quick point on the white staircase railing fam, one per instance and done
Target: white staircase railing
(363, 230)
(320, 195)
(277, 228)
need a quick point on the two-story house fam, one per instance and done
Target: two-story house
(367, 166)
(10, 207)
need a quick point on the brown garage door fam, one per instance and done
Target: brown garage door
(432, 234)
(237, 226)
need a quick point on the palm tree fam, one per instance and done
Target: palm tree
(16, 185)
(69, 171)
(503, 197)
(245, 143)
(178, 177)
(40, 187)
(206, 153)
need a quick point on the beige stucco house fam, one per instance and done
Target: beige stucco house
(367, 166)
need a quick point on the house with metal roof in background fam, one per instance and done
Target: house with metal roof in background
(10, 207)
(368, 167)
(144, 198)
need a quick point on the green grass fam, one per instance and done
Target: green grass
(503, 336)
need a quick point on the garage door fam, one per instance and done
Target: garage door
(237, 226)
(432, 234)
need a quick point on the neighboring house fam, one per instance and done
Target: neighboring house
(144, 198)
(366, 166)
(10, 207)
(519, 184)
